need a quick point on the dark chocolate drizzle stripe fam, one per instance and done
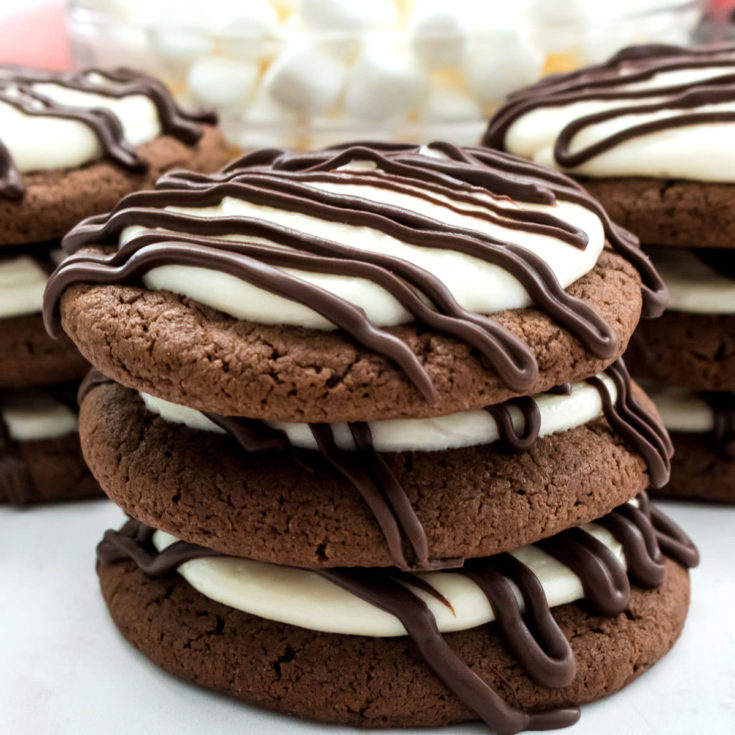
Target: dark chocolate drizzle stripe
(368, 472)
(720, 260)
(532, 635)
(723, 409)
(604, 82)
(17, 89)
(40, 253)
(134, 541)
(16, 483)
(644, 432)
(275, 178)
(531, 421)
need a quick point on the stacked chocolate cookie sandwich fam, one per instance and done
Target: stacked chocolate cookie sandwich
(649, 133)
(366, 409)
(70, 146)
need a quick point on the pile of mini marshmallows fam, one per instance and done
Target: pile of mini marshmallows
(307, 73)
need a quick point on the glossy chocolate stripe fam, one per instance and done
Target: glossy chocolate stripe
(540, 646)
(16, 89)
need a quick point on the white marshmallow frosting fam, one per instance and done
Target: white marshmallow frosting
(35, 414)
(476, 285)
(694, 286)
(681, 410)
(701, 151)
(469, 428)
(40, 143)
(22, 282)
(303, 598)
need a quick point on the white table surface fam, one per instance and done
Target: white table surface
(64, 669)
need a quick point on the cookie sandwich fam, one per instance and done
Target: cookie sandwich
(71, 144)
(649, 134)
(366, 410)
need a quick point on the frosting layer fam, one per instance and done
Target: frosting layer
(270, 591)
(35, 414)
(60, 120)
(365, 236)
(694, 283)
(656, 111)
(557, 412)
(22, 282)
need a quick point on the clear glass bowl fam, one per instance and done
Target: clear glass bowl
(308, 73)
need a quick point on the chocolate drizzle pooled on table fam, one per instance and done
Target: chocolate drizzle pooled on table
(367, 471)
(607, 82)
(17, 89)
(276, 178)
(532, 634)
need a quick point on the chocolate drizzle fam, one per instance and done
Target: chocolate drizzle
(504, 420)
(40, 253)
(135, 541)
(641, 430)
(723, 409)
(16, 482)
(368, 472)
(720, 260)
(531, 633)
(608, 81)
(276, 178)
(18, 88)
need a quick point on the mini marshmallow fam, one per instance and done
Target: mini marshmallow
(250, 33)
(385, 83)
(437, 35)
(341, 15)
(182, 34)
(501, 62)
(305, 80)
(448, 104)
(345, 23)
(220, 82)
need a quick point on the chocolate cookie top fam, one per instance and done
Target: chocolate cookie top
(53, 122)
(365, 238)
(651, 111)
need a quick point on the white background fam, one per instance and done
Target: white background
(64, 669)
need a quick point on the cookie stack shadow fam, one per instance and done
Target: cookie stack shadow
(410, 524)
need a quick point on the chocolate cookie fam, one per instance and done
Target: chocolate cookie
(471, 502)
(691, 214)
(29, 357)
(372, 682)
(190, 354)
(700, 470)
(43, 196)
(644, 132)
(451, 279)
(692, 350)
(44, 471)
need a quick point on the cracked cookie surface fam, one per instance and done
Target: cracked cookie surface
(472, 502)
(377, 682)
(190, 354)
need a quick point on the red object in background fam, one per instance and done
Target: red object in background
(722, 6)
(36, 37)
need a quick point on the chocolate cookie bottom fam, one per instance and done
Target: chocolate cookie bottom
(377, 682)
(699, 470)
(45, 470)
(696, 351)
(29, 357)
